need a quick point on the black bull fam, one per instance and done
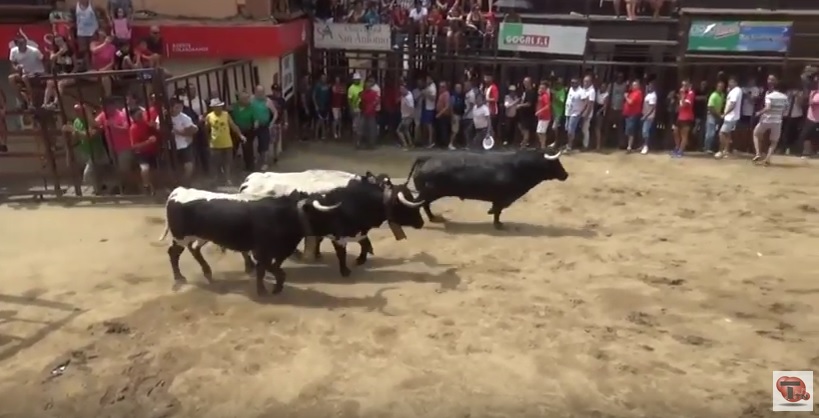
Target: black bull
(499, 178)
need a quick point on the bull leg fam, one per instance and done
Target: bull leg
(317, 251)
(174, 252)
(366, 248)
(278, 273)
(250, 266)
(262, 265)
(432, 217)
(495, 211)
(196, 252)
(341, 253)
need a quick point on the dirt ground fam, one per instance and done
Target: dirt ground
(640, 287)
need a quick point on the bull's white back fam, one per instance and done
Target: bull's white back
(283, 184)
(185, 195)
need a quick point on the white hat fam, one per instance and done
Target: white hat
(488, 142)
(215, 102)
(356, 76)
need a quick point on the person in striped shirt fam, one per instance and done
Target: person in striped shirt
(770, 119)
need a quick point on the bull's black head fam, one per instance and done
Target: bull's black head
(549, 166)
(402, 207)
(382, 179)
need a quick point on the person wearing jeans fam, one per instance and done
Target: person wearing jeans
(716, 102)
(589, 97)
(575, 103)
(244, 117)
(370, 100)
(649, 111)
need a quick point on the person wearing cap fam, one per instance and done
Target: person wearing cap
(354, 101)
(184, 131)
(88, 146)
(219, 126)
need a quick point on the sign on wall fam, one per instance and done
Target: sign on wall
(739, 36)
(549, 39)
(288, 72)
(352, 36)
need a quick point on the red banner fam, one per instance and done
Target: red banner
(198, 41)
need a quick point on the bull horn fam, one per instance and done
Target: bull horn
(406, 202)
(322, 208)
(552, 157)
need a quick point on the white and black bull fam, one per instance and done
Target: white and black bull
(325, 181)
(270, 228)
(500, 178)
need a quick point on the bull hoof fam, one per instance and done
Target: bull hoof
(499, 226)
(360, 261)
(208, 276)
(345, 272)
(277, 288)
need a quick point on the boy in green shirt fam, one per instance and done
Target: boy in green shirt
(558, 94)
(245, 118)
(716, 102)
(88, 147)
(354, 100)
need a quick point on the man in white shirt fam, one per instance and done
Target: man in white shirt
(183, 130)
(575, 104)
(770, 119)
(469, 106)
(407, 105)
(730, 117)
(481, 117)
(430, 94)
(589, 98)
(649, 111)
(26, 61)
(751, 94)
(419, 13)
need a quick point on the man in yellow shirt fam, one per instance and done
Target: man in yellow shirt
(219, 126)
(354, 100)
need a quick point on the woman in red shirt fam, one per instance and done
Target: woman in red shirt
(685, 119)
(337, 98)
(145, 146)
(633, 112)
(543, 112)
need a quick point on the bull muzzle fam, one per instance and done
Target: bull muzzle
(552, 157)
(321, 208)
(406, 202)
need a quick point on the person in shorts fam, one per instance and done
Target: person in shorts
(145, 146)
(770, 119)
(184, 130)
(685, 119)
(543, 113)
(632, 112)
(730, 118)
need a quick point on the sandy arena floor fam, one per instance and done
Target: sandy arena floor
(641, 287)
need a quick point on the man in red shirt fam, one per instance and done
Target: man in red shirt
(543, 112)
(369, 114)
(145, 146)
(633, 112)
(492, 96)
(685, 119)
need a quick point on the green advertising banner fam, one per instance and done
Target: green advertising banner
(739, 36)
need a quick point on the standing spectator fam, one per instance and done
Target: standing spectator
(618, 98)
(62, 21)
(575, 105)
(27, 62)
(510, 106)
(370, 100)
(86, 25)
(115, 6)
(337, 104)
(121, 26)
(700, 107)
(115, 125)
(418, 15)
(601, 115)
(244, 117)
(482, 118)
(443, 114)
(400, 24)
(793, 120)
(730, 118)
(715, 105)
(428, 115)
(145, 147)
(322, 100)
(103, 58)
(526, 112)
(770, 120)
(470, 98)
(62, 62)
(279, 121)
(184, 130)
(543, 113)
(492, 95)
(263, 109)
(192, 106)
(649, 112)
(589, 96)
(633, 113)
(220, 125)
(407, 104)
(354, 102)
(751, 94)
(685, 119)
(811, 127)
(87, 146)
(558, 96)
(306, 107)
(418, 97)
(458, 106)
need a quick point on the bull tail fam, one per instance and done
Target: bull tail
(167, 228)
(418, 162)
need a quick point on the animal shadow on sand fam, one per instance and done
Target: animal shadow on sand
(516, 229)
